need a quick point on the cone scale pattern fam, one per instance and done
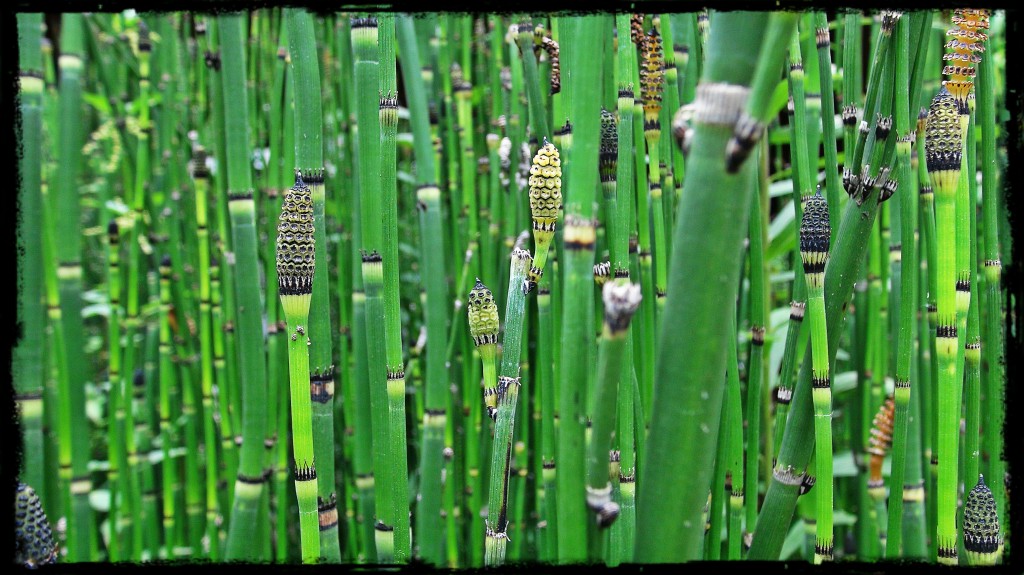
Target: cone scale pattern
(982, 539)
(483, 315)
(33, 538)
(295, 241)
(545, 203)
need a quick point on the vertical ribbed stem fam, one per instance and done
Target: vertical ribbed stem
(309, 164)
(388, 116)
(756, 373)
(242, 539)
(733, 447)
(364, 44)
(67, 210)
(993, 350)
(904, 286)
(943, 148)
(583, 50)
(429, 526)
(620, 301)
(814, 248)
(846, 259)
(28, 365)
(687, 402)
(507, 397)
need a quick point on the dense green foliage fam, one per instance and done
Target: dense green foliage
(480, 289)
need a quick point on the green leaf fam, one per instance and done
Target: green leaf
(101, 104)
(843, 382)
(781, 232)
(843, 465)
(407, 178)
(780, 188)
(840, 517)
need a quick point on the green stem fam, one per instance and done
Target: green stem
(992, 335)
(242, 540)
(364, 44)
(581, 47)
(905, 282)
(309, 164)
(508, 388)
(687, 407)
(28, 366)
(620, 302)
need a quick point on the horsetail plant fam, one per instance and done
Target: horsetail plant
(846, 258)
(34, 543)
(194, 127)
(943, 154)
(994, 381)
(66, 203)
(242, 539)
(295, 272)
(814, 247)
(652, 79)
(983, 541)
(396, 388)
(309, 164)
(621, 300)
(507, 396)
(428, 514)
(545, 205)
(730, 452)
(27, 367)
(687, 404)
(905, 280)
(364, 44)
(758, 355)
(580, 44)
(483, 328)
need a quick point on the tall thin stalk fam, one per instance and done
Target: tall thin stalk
(731, 448)
(756, 373)
(242, 540)
(582, 47)
(27, 368)
(687, 402)
(992, 335)
(651, 88)
(507, 398)
(429, 527)
(295, 272)
(368, 116)
(814, 247)
(620, 302)
(67, 207)
(846, 259)
(943, 148)
(905, 280)
(310, 165)
(388, 89)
